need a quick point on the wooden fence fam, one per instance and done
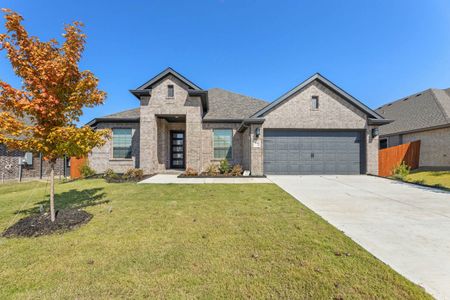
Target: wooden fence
(391, 157)
(75, 165)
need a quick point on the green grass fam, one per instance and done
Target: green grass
(187, 241)
(432, 178)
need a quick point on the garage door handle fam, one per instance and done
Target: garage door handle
(312, 155)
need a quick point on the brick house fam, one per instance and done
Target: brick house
(36, 168)
(11, 169)
(315, 128)
(423, 116)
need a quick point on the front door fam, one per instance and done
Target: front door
(177, 149)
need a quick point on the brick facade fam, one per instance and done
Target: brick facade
(102, 159)
(9, 166)
(334, 113)
(434, 146)
(151, 135)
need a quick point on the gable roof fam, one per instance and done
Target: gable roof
(169, 71)
(372, 114)
(226, 105)
(426, 109)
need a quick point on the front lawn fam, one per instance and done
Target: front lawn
(432, 178)
(187, 241)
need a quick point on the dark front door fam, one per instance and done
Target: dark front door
(177, 149)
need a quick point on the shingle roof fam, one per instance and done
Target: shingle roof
(228, 105)
(131, 113)
(223, 105)
(429, 108)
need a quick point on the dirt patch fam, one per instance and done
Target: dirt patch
(40, 224)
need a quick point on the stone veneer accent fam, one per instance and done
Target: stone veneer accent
(434, 146)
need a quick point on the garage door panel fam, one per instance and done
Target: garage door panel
(312, 152)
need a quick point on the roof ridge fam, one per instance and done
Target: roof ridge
(239, 94)
(439, 104)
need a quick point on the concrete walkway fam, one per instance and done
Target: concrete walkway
(172, 178)
(406, 226)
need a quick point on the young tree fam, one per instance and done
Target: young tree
(40, 117)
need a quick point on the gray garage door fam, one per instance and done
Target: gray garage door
(296, 152)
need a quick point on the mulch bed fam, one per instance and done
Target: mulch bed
(40, 224)
(120, 179)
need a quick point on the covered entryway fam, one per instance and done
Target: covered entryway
(304, 152)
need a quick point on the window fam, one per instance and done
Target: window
(170, 91)
(383, 143)
(122, 143)
(315, 102)
(223, 143)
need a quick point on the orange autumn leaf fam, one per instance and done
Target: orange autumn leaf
(41, 115)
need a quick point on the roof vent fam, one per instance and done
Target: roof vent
(389, 104)
(418, 95)
(405, 99)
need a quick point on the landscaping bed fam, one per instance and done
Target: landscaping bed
(432, 178)
(40, 224)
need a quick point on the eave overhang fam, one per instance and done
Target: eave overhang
(95, 121)
(370, 113)
(141, 93)
(373, 121)
(247, 122)
(203, 96)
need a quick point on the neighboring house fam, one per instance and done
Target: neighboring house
(423, 116)
(11, 169)
(37, 167)
(315, 128)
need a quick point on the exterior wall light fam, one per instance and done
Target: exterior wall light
(375, 132)
(257, 132)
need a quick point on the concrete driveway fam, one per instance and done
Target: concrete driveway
(406, 226)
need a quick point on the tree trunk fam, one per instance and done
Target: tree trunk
(52, 191)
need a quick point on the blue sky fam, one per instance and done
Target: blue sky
(377, 51)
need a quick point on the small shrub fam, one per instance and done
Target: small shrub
(133, 174)
(212, 170)
(190, 172)
(108, 173)
(401, 171)
(224, 166)
(111, 176)
(86, 171)
(236, 170)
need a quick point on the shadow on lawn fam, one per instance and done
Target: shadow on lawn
(71, 199)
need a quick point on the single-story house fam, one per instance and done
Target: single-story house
(314, 128)
(423, 116)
